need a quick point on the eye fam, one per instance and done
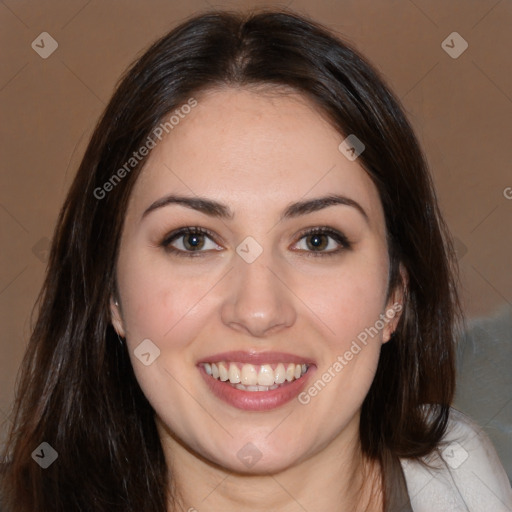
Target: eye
(189, 242)
(194, 241)
(323, 241)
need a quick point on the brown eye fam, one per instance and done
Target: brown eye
(190, 241)
(193, 241)
(317, 241)
(323, 242)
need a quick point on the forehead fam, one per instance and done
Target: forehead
(244, 147)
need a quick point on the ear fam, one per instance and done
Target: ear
(395, 305)
(115, 317)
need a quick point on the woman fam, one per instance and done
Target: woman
(250, 302)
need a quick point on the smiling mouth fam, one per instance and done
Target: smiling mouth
(250, 377)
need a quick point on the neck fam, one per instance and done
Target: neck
(336, 478)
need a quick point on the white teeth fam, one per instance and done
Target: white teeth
(256, 388)
(280, 374)
(266, 375)
(234, 374)
(290, 372)
(254, 377)
(223, 372)
(249, 375)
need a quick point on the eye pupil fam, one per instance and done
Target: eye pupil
(193, 241)
(317, 241)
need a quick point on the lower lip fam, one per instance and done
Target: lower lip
(256, 400)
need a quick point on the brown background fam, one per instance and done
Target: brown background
(461, 109)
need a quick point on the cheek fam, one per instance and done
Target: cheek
(350, 300)
(161, 303)
(169, 308)
(349, 303)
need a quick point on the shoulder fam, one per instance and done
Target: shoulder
(463, 474)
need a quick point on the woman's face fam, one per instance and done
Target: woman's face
(282, 298)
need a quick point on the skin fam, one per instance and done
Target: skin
(256, 151)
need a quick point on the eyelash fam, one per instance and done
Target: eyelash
(338, 237)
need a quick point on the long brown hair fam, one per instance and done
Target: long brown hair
(77, 390)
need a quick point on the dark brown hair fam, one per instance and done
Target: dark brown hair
(77, 390)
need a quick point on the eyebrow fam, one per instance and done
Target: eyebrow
(215, 209)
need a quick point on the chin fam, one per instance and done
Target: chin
(258, 458)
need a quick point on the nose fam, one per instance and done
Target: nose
(258, 302)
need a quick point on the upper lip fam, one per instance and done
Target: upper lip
(256, 358)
